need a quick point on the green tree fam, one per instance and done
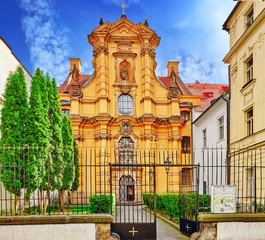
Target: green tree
(55, 118)
(76, 164)
(14, 130)
(68, 157)
(39, 136)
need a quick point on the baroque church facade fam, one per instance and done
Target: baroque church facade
(123, 103)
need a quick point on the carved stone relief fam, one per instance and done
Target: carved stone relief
(124, 46)
(174, 92)
(248, 97)
(125, 89)
(126, 127)
(233, 73)
(99, 50)
(148, 50)
(260, 40)
(75, 90)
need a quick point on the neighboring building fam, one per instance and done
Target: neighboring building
(210, 137)
(208, 93)
(9, 63)
(124, 103)
(246, 59)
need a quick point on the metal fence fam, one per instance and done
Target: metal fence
(243, 168)
(37, 181)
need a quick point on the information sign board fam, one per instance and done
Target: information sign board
(223, 199)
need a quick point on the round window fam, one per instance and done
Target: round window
(125, 104)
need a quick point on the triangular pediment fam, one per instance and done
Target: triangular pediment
(124, 27)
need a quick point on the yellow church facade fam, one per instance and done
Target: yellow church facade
(123, 104)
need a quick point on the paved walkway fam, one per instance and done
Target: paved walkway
(167, 232)
(137, 214)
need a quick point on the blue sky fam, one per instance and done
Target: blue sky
(45, 33)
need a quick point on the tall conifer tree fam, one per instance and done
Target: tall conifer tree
(13, 133)
(55, 118)
(38, 139)
(68, 157)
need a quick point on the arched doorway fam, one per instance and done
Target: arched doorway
(126, 188)
(126, 150)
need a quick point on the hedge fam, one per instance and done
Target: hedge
(100, 203)
(169, 204)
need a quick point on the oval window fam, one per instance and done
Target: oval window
(125, 104)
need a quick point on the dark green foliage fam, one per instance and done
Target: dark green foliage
(169, 204)
(55, 119)
(100, 203)
(68, 154)
(13, 131)
(38, 137)
(76, 164)
(259, 206)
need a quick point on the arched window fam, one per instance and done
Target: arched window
(125, 104)
(185, 115)
(185, 145)
(126, 150)
(126, 188)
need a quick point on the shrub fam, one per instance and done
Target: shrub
(100, 203)
(169, 204)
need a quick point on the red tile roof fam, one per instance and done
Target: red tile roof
(209, 92)
(67, 84)
(166, 82)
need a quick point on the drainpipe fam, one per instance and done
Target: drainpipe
(228, 136)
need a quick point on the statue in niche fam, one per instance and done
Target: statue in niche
(124, 73)
(75, 74)
(173, 77)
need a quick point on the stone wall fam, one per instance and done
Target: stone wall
(230, 227)
(85, 227)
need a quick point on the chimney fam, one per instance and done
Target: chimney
(174, 65)
(75, 62)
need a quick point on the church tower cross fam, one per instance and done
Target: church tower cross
(123, 6)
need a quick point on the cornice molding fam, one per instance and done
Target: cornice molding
(245, 35)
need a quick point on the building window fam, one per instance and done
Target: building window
(185, 145)
(204, 138)
(250, 69)
(250, 18)
(221, 127)
(250, 175)
(185, 115)
(65, 103)
(126, 150)
(67, 112)
(249, 119)
(186, 176)
(125, 104)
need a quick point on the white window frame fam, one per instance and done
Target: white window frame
(250, 122)
(221, 128)
(250, 176)
(249, 69)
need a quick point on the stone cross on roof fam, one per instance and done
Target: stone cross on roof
(123, 6)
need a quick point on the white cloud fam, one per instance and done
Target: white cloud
(48, 43)
(119, 2)
(192, 69)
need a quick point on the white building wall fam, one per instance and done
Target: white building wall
(215, 153)
(8, 63)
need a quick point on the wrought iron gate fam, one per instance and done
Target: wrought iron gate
(189, 199)
(135, 174)
(128, 183)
